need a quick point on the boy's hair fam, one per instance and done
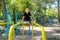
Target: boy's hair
(25, 9)
(28, 12)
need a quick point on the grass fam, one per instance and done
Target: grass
(53, 39)
(58, 31)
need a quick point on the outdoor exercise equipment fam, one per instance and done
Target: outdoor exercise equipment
(11, 31)
(16, 19)
(6, 23)
(11, 18)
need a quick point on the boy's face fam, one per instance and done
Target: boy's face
(27, 10)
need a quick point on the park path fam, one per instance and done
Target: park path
(51, 32)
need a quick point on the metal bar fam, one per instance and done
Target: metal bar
(11, 31)
(42, 31)
(16, 19)
(6, 26)
(5, 23)
(41, 28)
(11, 18)
(16, 15)
(22, 31)
(32, 32)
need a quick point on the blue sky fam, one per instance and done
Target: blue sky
(54, 5)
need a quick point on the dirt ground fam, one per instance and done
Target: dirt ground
(51, 32)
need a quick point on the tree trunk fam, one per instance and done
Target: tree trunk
(14, 15)
(58, 12)
(3, 8)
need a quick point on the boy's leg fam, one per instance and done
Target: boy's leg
(25, 23)
(29, 31)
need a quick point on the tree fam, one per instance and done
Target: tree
(58, 11)
(3, 8)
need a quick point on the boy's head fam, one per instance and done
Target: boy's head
(27, 10)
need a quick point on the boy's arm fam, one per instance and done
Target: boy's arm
(22, 18)
(31, 18)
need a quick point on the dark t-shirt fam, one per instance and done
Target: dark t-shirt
(27, 17)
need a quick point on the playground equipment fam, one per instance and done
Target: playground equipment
(12, 32)
(8, 23)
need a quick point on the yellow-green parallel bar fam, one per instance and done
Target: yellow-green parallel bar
(10, 35)
(42, 31)
(3, 23)
(13, 34)
(22, 31)
(11, 31)
(32, 32)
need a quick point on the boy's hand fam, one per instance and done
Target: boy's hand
(21, 21)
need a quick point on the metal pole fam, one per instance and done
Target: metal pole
(32, 32)
(6, 26)
(22, 31)
(11, 18)
(16, 19)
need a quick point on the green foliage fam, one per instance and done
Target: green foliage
(58, 31)
(19, 5)
(53, 39)
(51, 12)
(40, 9)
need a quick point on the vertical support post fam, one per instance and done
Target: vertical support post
(22, 31)
(32, 32)
(43, 33)
(16, 15)
(16, 19)
(11, 18)
(6, 26)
